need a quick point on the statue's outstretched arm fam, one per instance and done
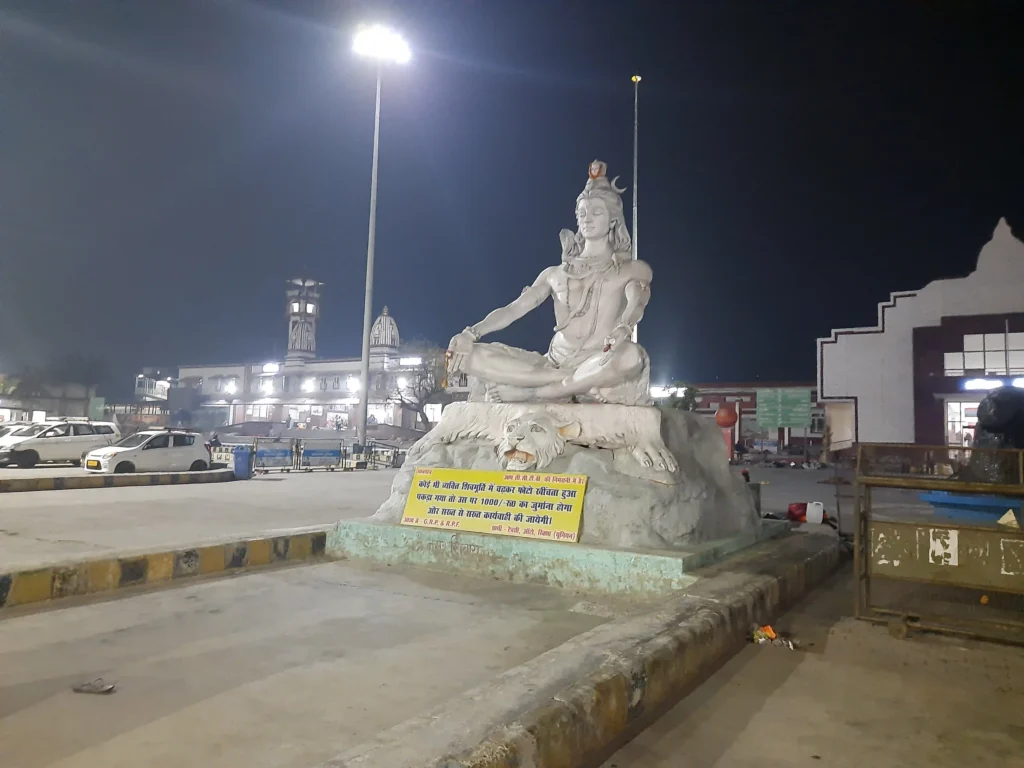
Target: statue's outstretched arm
(531, 298)
(638, 293)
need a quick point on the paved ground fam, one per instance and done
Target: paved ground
(47, 526)
(855, 697)
(273, 669)
(782, 487)
(44, 527)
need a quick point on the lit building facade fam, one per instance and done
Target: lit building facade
(919, 374)
(300, 390)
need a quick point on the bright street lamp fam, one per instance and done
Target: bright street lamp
(385, 46)
(379, 42)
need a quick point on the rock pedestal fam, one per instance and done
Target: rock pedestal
(657, 479)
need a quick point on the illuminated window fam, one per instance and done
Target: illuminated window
(295, 307)
(988, 354)
(310, 309)
(259, 412)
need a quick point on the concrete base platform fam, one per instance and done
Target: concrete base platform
(520, 560)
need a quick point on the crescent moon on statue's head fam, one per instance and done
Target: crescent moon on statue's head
(615, 188)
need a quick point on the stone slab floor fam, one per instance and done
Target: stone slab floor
(280, 668)
(856, 697)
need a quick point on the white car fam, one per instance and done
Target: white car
(57, 441)
(10, 427)
(152, 450)
(9, 430)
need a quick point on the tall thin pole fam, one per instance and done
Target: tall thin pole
(364, 364)
(636, 158)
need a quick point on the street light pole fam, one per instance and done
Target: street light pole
(364, 362)
(383, 45)
(636, 165)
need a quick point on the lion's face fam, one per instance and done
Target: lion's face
(533, 440)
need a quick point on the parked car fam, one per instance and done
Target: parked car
(152, 450)
(8, 427)
(7, 434)
(56, 441)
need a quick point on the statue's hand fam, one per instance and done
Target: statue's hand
(613, 340)
(459, 349)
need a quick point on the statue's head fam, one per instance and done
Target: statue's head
(599, 215)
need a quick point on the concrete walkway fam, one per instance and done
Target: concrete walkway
(45, 527)
(856, 697)
(284, 668)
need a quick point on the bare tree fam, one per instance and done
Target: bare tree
(686, 401)
(417, 385)
(31, 383)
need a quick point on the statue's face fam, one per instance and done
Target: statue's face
(593, 218)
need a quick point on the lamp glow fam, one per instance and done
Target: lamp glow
(403, 382)
(267, 385)
(661, 392)
(308, 385)
(231, 388)
(379, 42)
(353, 384)
(410, 361)
(975, 384)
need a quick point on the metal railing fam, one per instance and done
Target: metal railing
(939, 559)
(893, 465)
(308, 454)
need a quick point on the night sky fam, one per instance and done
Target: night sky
(167, 165)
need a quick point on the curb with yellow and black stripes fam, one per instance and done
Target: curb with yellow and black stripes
(113, 573)
(72, 482)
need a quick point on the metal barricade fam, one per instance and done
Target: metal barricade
(929, 550)
(274, 454)
(320, 454)
(384, 456)
(224, 455)
(287, 454)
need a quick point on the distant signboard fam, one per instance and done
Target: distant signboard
(778, 408)
(97, 406)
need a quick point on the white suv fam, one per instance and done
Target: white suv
(152, 450)
(58, 441)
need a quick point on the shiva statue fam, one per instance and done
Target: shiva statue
(599, 292)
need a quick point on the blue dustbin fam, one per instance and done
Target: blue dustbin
(243, 463)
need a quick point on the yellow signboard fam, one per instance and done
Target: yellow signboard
(536, 505)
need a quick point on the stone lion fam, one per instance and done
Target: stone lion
(533, 440)
(629, 430)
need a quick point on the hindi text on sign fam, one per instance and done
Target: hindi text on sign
(533, 505)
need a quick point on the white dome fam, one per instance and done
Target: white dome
(384, 332)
